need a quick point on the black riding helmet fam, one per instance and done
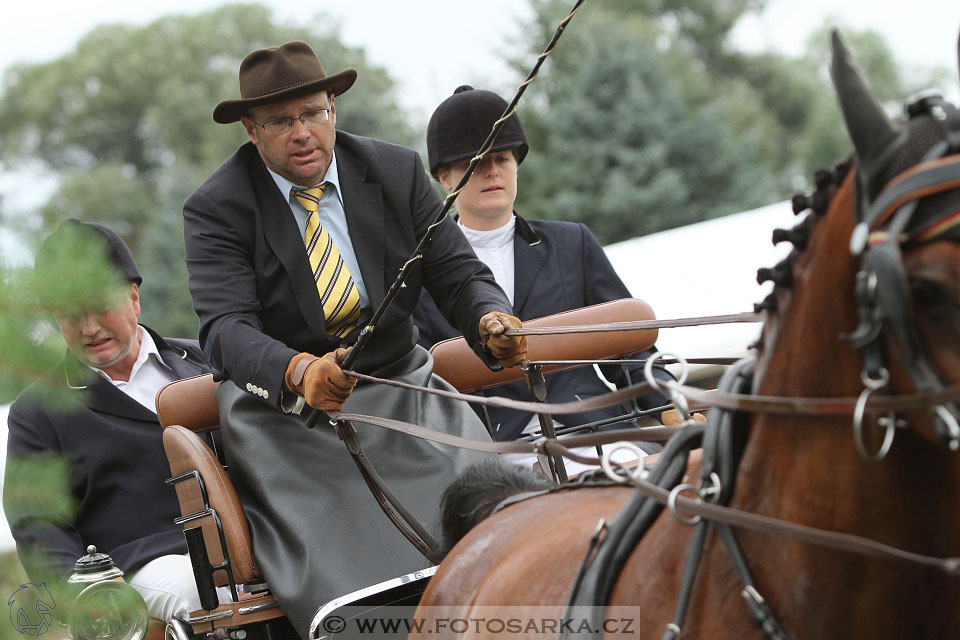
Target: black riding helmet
(462, 122)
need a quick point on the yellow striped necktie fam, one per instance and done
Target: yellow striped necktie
(338, 293)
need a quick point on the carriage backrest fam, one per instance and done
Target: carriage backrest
(185, 408)
(455, 362)
(190, 403)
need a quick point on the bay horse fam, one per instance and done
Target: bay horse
(867, 305)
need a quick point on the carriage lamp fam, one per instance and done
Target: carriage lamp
(107, 607)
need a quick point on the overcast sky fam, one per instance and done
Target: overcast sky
(414, 39)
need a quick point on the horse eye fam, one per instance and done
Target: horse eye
(928, 293)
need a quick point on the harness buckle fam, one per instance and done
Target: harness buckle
(923, 102)
(709, 488)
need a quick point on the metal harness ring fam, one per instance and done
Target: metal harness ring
(672, 503)
(648, 369)
(630, 475)
(890, 424)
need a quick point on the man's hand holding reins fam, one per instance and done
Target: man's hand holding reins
(320, 381)
(509, 350)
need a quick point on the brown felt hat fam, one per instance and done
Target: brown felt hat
(280, 73)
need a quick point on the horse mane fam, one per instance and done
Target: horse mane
(826, 180)
(476, 492)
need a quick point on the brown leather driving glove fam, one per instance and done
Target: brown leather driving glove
(320, 381)
(509, 350)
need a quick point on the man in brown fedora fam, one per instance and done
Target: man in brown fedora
(291, 244)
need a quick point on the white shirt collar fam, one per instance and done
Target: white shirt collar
(332, 176)
(493, 238)
(147, 348)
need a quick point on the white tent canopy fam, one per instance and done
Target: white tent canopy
(705, 269)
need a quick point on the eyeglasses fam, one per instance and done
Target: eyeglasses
(309, 119)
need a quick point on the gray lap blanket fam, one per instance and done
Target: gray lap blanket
(317, 531)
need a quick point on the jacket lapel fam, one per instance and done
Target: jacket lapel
(101, 396)
(529, 256)
(280, 230)
(175, 357)
(363, 205)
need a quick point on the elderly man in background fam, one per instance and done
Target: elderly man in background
(106, 431)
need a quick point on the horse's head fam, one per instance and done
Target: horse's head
(877, 263)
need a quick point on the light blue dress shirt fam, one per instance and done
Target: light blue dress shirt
(332, 216)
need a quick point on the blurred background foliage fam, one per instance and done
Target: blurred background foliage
(644, 119)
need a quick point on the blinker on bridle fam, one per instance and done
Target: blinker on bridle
(882, 290)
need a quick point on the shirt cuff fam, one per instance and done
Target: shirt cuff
(291, 402)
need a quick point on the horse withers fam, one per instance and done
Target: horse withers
(866, 307)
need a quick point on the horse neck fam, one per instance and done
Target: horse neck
(805, 469)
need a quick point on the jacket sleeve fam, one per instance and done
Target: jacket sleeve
(603, 285)
(223, 286)
(37, 499)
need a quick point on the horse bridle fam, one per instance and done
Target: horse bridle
(882, 290)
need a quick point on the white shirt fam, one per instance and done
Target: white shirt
(495, 249)
(333, 217)
(148, 375)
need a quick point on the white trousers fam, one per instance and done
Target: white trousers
(167, 586)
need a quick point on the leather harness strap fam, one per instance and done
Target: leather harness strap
(543, 446)
(933, 176)
(390, 504)
(703, 399)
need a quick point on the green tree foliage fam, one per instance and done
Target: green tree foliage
(645, 117)
(632, 131)
(824, 138)
(125, 121)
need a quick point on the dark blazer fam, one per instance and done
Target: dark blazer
(252, 286)
(114, 451)
(558, 266)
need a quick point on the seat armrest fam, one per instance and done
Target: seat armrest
(455, 362)
(190, 403)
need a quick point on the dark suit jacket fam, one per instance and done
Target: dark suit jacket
(114, 452)
(558, 266)
(252, 285)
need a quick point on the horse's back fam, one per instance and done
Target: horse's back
(502, 561)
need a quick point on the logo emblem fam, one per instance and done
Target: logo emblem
(31, 609)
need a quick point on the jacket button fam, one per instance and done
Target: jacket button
(249, 387)
(266, 394)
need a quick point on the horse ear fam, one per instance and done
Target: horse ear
(870, 130)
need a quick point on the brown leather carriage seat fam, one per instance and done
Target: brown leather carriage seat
(186, 408)
(455, 362)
